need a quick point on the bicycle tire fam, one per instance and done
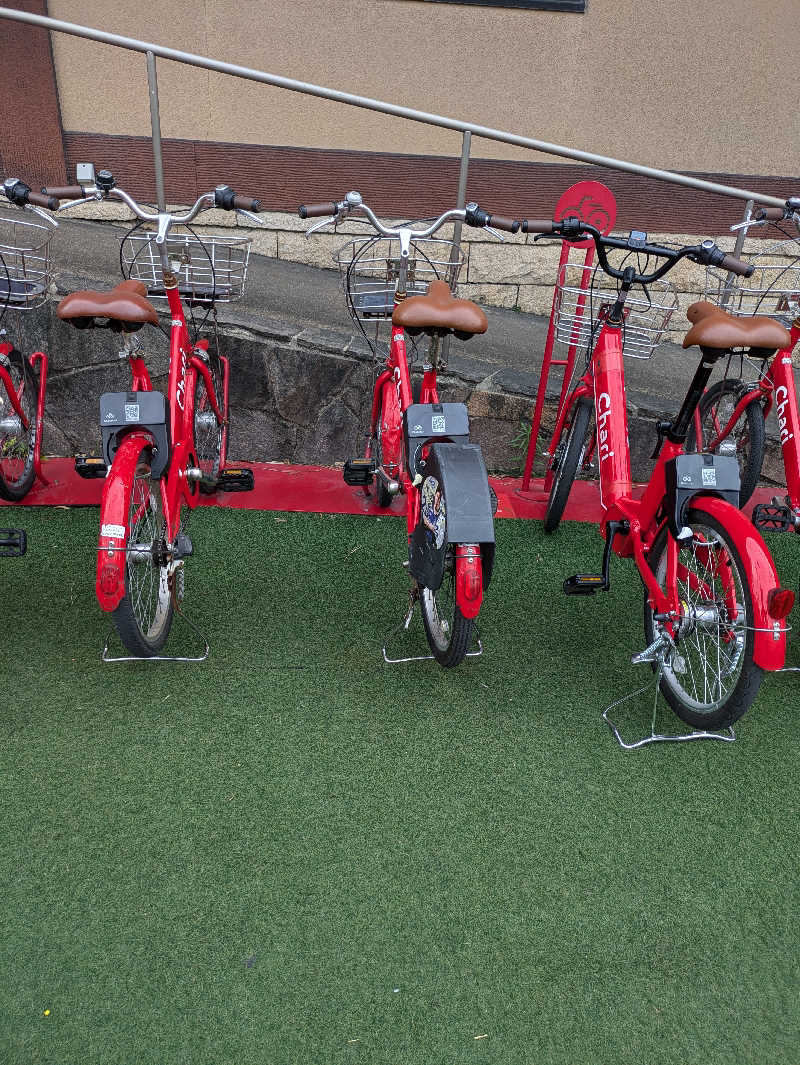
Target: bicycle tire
(718, 654)
(17, 471)
(448, 632)
(143, 617)
(566, 461)
(749, 432)
(208, 431)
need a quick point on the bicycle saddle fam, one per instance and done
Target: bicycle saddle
(438, 310)
(713, 327)
(126, 303)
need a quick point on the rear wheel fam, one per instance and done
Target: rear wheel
(17, 443)
(567, 460)
(746, 439)
(709, 677)
(449, 632)
(144, 615)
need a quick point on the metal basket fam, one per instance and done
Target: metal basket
(577, 308)
(25, 266)
(210, 269)
(369, 268)
(773, 289)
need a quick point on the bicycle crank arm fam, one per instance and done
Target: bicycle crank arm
(589, 583)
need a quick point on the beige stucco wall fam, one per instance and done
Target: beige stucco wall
(678, 84)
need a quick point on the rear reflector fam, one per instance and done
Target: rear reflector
(780, 603)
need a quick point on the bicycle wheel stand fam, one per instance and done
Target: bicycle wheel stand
(728, 736)
(404, 626)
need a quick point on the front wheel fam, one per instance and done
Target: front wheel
(449, 633)
(566, 460)
(17, 444)
(747, 438)
(709, 678)
(382, 450)
(144, 615)
(208, 429)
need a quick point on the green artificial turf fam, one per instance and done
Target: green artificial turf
(294, 853)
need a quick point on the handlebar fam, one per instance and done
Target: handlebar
(472, 214)
(69, 192)
(573, 229)
(20, 194)
(316, 210)
(106, 188)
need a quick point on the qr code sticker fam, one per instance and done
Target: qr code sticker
(709, 476)
(438, 423)
(131, 412)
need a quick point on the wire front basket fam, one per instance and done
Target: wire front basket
(773, 289)
(25, 266)
(210, 269)
(578, 304)
(369, 268)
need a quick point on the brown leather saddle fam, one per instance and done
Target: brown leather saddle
(123, 309)
(713, 327)
(438, 311)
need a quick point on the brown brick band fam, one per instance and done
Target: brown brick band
(283, 178)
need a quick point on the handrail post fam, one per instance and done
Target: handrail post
(461, 200)
(727, 291)
(155, 126)
(455, 251)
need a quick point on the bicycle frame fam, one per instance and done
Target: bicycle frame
(175, 486)
(775, 387)
(14, 398)
(389, 404)
(604, 382)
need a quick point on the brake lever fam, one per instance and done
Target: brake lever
(335, 219)
(253, 217)
(96, 195)
(42, 214)
(494, 233)
(748, 223)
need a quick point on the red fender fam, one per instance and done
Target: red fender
(769, 648)
(110, 581)
(469, 579)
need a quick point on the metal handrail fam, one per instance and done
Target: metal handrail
(466, 128)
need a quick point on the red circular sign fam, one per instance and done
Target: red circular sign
(592, 202)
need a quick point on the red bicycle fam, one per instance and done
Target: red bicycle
(159, 451)
(731, 415)
(714, 611)
(418, 446)
(25, 273)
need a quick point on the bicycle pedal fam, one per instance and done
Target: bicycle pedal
(358, 472)
(13, 543)
(183, 546)
(236, 479)
(773, 517)
(584, 584)
(90, 467)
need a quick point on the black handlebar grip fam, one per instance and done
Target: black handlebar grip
(245, 203)
(769, 214)
(68, 192)
(737, 266)
(510, 225)
(38, 200)
(538, 225)
(316, 210)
